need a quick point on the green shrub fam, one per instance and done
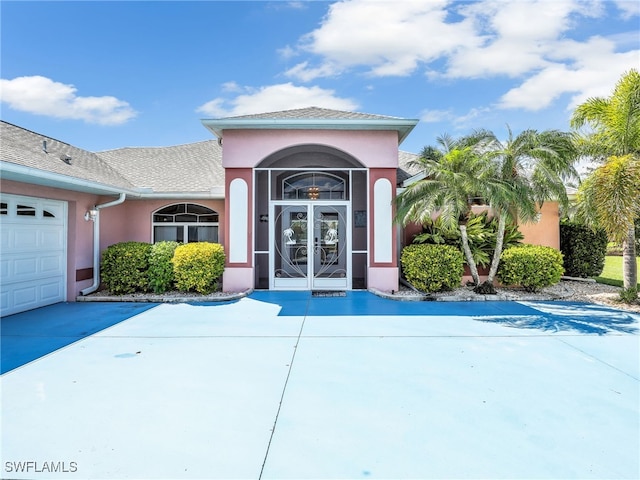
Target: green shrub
(629, 295)
(124, 267)
(583, 249)
(198, 266)
(432, 268)
(530, 266)
(482, 233)
(160, 266)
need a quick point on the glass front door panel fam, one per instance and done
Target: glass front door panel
(291, 242)
(329, 238)
(309, 247)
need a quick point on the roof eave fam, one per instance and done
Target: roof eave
(402, 126)
(33, 176)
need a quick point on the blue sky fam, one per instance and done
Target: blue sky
(103, 75)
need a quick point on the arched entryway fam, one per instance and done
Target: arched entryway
(311, 220)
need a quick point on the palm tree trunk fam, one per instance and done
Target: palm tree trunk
(467, 253)
(495, 261)
(629, 262)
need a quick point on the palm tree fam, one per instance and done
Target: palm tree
(454, 175)
(533, 167)
(610, 196)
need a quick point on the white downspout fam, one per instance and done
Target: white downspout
(96, 244)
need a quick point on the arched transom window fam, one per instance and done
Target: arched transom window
(185, 222)
(313, 186)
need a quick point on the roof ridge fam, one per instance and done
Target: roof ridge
(45, 136)
(99, 152)
(290, 113)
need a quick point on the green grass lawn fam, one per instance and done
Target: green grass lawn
(612, 273)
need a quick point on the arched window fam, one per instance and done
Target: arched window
(313, 186)
(185, 222)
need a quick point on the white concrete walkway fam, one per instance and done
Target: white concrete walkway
(238, 392)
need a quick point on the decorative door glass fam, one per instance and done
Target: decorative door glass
(329, 236)
(291, 242)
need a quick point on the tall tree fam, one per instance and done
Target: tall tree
(454, 175)
(610, 196)
(533, 167)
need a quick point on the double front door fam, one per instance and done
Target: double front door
(309, 246)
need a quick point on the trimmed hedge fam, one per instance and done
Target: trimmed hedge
(584, 249)
(432, 268)
(198, 266)
(124, 267)
(531, 267)
(160, 266)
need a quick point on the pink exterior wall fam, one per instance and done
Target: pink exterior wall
(547, 231)
(132, 220)
(247, 148)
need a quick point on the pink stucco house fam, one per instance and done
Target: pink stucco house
(300, 200)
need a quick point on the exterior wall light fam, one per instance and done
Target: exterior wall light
(91, 214)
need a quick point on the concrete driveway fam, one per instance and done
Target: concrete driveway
(286, 386)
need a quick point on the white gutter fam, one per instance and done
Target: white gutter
(96, 244)
(36, 176)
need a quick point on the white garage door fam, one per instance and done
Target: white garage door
(33, 249)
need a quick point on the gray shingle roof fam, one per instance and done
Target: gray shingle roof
(194, 167)
(25, 148)
(405, 169)
(312, 113)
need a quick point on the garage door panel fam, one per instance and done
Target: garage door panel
(25, 267)
(51, 264)
(4, 239)
(28, 295)
(24, 294)
(4, 300)
(24, 239)
(51, 291)
(53, 211)
(16, 268)
(51, 238)
(4, 269)
(33, 266)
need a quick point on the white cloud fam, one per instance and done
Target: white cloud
(388, 38)
(43, 96)
(304, 73)
(272, 98)
(527, 41)
(297, 5)
(436, 116)
(593, 71)
(231, 87)
(287, 52)
(630, 8)
(519, 36)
